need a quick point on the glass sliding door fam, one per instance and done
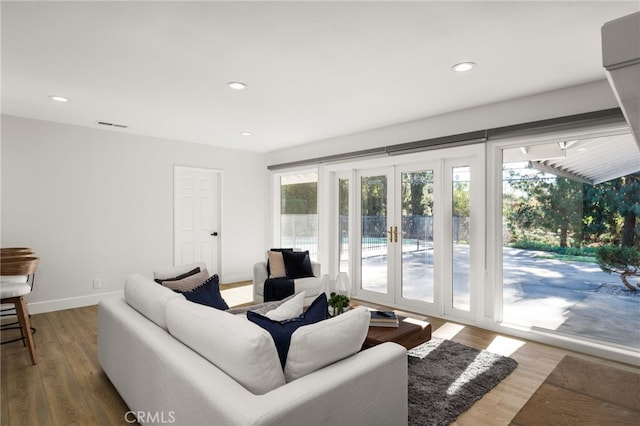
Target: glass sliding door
(463, 267)
(417, 225)
(376, 233)
(415, 236)
(554, 226)
(343, 224)
(461, 237)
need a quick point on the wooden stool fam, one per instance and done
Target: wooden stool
(14, 291)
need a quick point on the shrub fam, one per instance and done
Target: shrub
(620, 260)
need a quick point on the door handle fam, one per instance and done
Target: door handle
(390, 232)
(395, 233)
(214, 234)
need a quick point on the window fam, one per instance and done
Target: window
(343, 225)
(554, 224)
(298, 227)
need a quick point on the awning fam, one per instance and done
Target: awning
(590, 161)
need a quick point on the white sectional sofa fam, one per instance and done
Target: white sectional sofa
(174, 361)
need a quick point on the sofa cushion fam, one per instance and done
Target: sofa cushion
(281, 331)
(207, 294)
(312, 285)
(148, 298)
(297, 264)
(187, 283)
(323, 343)
(236, 346)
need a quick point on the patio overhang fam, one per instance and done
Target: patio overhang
(589, 161)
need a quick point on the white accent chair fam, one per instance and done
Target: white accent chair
(312, 285)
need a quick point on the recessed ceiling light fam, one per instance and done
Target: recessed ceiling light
(58, 98)
(246, 133)
(463, 66)
(237, 85)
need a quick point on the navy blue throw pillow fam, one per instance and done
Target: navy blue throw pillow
(297, 264)
(281, 331)
(208, 293)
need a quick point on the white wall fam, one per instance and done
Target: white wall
(567, 101)
(98, 203)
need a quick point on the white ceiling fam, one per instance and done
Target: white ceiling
(314, 70)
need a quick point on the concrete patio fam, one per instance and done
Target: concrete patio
(569, 297)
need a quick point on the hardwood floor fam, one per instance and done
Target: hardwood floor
(68, 386)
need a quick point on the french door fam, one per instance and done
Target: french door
(416, 237)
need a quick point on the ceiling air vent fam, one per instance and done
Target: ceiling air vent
(104, 123)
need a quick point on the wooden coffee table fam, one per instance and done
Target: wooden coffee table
(410, 333)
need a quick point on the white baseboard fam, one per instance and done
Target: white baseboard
(70, 302)
(94, 299)
(231, 279)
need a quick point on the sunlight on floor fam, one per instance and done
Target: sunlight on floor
(422, 324)
(473, 370)
(505, 346)
(447, 330)
(238, 296)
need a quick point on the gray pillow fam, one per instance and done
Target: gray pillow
(189, 283)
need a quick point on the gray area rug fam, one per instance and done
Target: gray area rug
(446, 378)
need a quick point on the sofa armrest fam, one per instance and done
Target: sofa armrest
(317, 270)
(260, 275)
(370, 387)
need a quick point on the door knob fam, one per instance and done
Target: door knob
(214, 234)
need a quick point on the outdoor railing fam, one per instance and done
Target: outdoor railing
(301, 232)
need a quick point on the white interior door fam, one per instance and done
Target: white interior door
(197, 217)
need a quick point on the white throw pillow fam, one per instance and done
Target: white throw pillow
(289, 309)
(317, 345)
(236, 346)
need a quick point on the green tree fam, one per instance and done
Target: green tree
(601, 223)
(629, 209)
(461, 199)
(299, 198)
(417, 193)
(343, 202)
(374, 196)
(561, 205)
(611, 211)
(620, 260)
